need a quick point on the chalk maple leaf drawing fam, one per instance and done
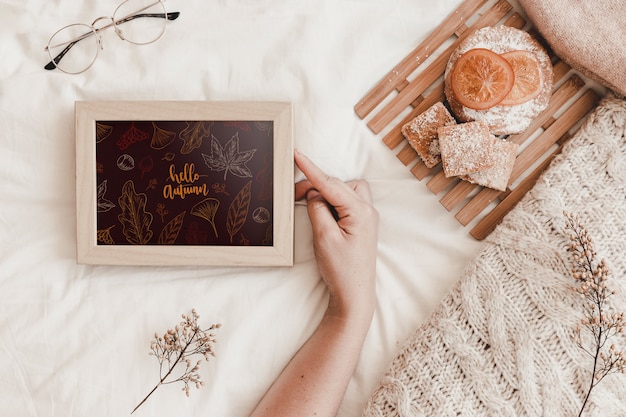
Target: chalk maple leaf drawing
(228, 158)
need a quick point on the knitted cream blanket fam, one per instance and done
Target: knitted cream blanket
(502, 343)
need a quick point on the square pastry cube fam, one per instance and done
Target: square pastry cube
(465, 148)
(421, 132)
(497, 177)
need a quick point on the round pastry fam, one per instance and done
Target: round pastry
(514, 111)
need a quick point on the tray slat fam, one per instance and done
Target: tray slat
(570, 102)
(435, 70)
(398, 74)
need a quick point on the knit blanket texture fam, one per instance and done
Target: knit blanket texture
(502, 341)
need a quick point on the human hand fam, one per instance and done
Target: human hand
(345, 229)
(345, 234)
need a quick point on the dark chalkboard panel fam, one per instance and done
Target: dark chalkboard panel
(184, 183)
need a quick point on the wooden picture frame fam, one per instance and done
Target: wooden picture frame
(184, 183)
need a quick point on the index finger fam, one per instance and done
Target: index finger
(336, 192)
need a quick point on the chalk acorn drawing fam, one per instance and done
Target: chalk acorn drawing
(126, 162)
(261, 215)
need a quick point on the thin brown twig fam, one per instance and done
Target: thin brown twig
(174, 348)
(592, 276)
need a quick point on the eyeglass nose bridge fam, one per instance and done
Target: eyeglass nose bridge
(108, 25)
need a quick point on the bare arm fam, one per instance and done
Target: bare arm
(345, 237)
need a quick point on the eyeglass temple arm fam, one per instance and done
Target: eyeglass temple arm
(53, 64)
(168, 16)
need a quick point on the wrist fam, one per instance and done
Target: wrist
(355, 310)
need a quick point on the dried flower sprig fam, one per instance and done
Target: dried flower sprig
(598, 322)
(175, 349)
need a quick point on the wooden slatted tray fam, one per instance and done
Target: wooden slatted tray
(416, 83)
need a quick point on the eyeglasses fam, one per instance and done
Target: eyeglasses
(74, 48)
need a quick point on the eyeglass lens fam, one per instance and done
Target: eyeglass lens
(140, 21)
(74, 48)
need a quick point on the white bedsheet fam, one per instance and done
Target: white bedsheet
(74, 339)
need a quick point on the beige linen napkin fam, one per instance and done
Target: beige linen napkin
(589, 35)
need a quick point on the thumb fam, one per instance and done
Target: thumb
(320, 212)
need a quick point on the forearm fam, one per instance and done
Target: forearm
(344, 224)
(315, 380)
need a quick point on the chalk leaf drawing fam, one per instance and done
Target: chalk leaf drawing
(104, 236)
(193, 134)
(170, 232)
(238, 211)
(194, 235)
(102, 131)
(134, 217)
(146, 164)
(206, 210)
(269, 235)
(169, 157)
(264, 126)
(104, 205)
(161, 137)
(228, 158)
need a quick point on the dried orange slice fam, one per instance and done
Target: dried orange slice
(481, 79)
(527, 83)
